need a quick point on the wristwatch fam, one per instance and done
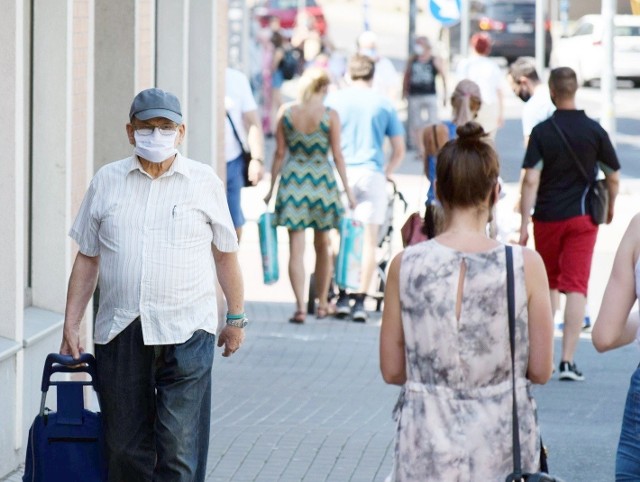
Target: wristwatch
(238, 322)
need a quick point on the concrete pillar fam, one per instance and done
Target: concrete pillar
(207, 61)
(51, 152)
(12, 235)
(12, 179)
(124, 65)
(172, 54)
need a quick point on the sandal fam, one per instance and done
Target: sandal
(324, 311)
(298, 317)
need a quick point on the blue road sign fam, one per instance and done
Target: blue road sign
(447, 12)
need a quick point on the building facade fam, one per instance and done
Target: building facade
(70, 69)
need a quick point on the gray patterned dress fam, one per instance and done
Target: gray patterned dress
(454, 412)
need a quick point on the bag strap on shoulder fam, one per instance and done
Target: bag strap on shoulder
(235, 132)
(571, 151)
(517, 464)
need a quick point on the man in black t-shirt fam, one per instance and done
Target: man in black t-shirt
(564, 233)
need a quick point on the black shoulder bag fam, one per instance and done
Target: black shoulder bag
(246, 155)
(597, 200)
(517, 475)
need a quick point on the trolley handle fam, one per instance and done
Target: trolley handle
(57, 363)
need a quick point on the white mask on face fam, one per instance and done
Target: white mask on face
(155, 147)
(371, 53)
(418, 49)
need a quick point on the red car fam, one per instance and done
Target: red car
(286, 11)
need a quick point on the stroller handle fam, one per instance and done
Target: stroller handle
(57, 363)
(397, 193)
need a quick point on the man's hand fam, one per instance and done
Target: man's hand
(71, 342)
(256, 171)
(231, 337)
(610, 213)
(524, 234)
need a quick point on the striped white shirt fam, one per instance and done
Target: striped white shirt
(154, 240)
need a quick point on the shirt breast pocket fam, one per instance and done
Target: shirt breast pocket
(188, 228)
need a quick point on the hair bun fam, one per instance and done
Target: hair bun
(471, 131)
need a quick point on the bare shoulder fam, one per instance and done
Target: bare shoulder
(285, 107)
(631, 239)
(441, 132)
(396, 263)
(531, 258)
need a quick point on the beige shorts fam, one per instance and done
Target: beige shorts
(370, 190)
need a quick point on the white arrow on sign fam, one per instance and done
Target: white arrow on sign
(448, 8)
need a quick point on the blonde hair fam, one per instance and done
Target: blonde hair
(466, 101)
(312, 81)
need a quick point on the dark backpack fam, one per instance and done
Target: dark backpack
(289, 64)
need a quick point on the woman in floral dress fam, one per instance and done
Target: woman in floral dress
(445, 333)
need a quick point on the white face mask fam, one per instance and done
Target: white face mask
(155, 147)
(418, 49)
(371, 53)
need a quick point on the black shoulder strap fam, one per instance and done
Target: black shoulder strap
(235, 132)
(435, 137)
(515, 430)
(571, 151)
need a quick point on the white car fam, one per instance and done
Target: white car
(582, 49)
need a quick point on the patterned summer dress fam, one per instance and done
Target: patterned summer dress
(454, 413)
(308, 195)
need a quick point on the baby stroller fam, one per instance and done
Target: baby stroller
(384, 252)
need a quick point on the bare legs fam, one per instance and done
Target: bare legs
(573, 319)
(296, 267)
(322, 247)
(574, 309)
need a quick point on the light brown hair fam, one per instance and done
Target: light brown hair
(361, 67)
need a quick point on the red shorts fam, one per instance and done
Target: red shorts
(566, 248)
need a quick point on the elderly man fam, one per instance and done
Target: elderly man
(385, 78)
(154, 225)
(553, 182)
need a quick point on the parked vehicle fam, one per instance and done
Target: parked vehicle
(511, 25)
(582, 49)
(287, 11)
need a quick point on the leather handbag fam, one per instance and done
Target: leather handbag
(412, 230)
(597, 200)
(517, 475)
(246, 156)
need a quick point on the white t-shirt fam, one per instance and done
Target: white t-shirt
(537, 109)
(484, 72)
(238, 99)
(385, 78)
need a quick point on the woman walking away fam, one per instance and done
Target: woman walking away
(616, 327)
(308, 194)
(465, 103)
(445, 333)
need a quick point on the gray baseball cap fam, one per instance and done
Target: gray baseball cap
(154, 102)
